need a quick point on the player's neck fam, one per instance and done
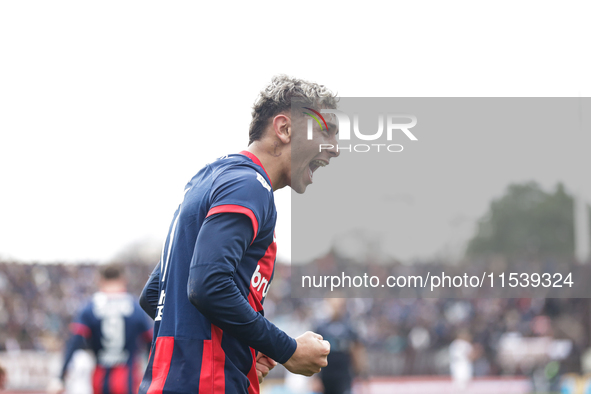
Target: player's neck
(112, 288)
(273, 160)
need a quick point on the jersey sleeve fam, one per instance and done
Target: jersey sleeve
(242, 190)
(221, 244)
(147, 327)
(150, 293)
(80, 333)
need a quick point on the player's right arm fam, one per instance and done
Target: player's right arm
(81, 332)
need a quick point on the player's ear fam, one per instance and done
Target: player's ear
(282, 127)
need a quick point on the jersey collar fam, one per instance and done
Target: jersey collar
(257, 162)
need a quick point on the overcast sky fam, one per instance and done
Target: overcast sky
(108, 108)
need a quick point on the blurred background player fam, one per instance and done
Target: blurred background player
(347, 354)
(116, 329)
(461, 355)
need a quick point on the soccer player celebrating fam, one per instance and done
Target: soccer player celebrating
(206, 293)
(113, 325)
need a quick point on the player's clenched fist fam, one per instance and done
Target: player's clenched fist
(263, 365)
(310, 355)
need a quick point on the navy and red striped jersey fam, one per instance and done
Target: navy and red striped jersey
(206, 293)
(114, 327)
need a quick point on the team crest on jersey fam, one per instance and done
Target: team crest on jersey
(263, 182)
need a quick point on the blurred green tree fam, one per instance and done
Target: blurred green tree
(527, 220)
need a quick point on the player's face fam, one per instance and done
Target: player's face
(306, 156)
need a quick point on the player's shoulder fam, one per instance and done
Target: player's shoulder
(240, 174)
(240, 182)
(85, 313)
(87, 305)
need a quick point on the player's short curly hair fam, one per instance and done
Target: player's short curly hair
(277, 96)
(111, 271)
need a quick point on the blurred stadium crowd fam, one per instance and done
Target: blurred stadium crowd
(410, 336)
(39, 301)
(402, 336)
